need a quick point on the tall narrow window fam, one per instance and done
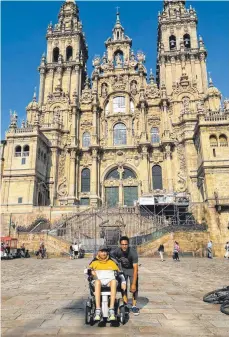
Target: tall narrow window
(86, 139)
(155, 136)
(55, 54)
(157, 177)
(213, 141)
(69, 53)
(187, 41)
(172, 42)
(119, 134)
(119, 104)
(18, 151)
(223, 140)
(85, 180)
(26, 151)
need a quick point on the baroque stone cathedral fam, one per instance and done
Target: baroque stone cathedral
(123, 135)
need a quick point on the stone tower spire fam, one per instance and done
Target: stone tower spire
(63, 65)
(178, 47)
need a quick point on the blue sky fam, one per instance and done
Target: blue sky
(23, 40)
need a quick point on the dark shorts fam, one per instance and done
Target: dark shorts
(129, 273)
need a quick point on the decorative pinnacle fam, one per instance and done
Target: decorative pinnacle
(117, 15)
(210, 80)
(151, 77)
(35, 95)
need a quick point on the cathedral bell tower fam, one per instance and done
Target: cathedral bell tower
(178, 49)
(64, 66)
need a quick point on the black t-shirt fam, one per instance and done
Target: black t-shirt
(127, 259)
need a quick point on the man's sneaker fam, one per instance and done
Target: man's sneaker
(97, 316)
(111, 315)
(135, 311)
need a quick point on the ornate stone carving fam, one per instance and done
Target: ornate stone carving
(62, 160)
(119, 82)
(104, 90)
(62, 189)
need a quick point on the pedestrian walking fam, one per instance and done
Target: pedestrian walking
(209, 249)
(161, 251)
(227, 250)
(75, 250)
(71, 252)
(176, 250)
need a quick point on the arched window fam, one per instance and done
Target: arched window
(157, 177)
(18, 151)
(223, 140)
(86, 139)
(114, 174)
(26, 151)
(128, 174)
(119, 104)
(172, 42)
(119, 134)
(155, 135)
(85, 180)
(187, 41)
(213, 141)
(69, 53)
(55, 54)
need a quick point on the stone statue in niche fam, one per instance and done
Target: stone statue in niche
(133, 88)
(118, 60)
(104, 90)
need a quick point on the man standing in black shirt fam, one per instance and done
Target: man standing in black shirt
(128, 258)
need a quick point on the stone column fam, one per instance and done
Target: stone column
(77, 68)
(94, 176)
(144, 170)
(168, 168)
(203, 72)
(72, 177)
(41, 89)
(68, 86)
(53, 175)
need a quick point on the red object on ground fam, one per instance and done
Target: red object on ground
(12, 242)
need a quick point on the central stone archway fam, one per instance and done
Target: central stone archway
(121, 187)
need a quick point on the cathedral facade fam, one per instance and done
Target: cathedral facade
(121, 136)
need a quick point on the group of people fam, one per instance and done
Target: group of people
(75, 250)
(5, 249)
(176, 250)
(210, 250)
(42, 253)
(103, 268)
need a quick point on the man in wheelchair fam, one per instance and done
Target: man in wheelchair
(103, 271)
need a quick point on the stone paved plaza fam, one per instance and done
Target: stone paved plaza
(47, 297)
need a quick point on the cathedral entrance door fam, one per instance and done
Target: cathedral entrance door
(130, 195)
(112, 198)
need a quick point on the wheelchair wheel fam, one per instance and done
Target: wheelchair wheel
(88, 316)
(225, 307)
(217, 296)
(122, 314)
